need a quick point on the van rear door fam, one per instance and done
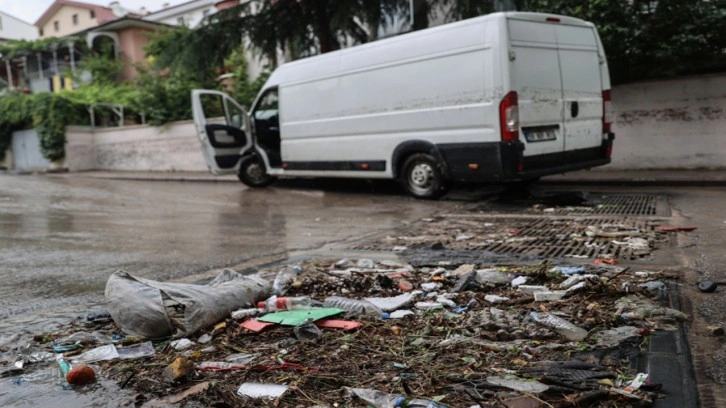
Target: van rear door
(555, 70)
(223, 129)
(535, 76)
(581, 88)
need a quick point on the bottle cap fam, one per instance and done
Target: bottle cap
(261, 305)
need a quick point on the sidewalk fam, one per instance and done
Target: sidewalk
(685, 178)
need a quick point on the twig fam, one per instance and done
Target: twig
(321, 270)
(130, 377)
(618, 274)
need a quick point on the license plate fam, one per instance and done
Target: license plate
(540, 135)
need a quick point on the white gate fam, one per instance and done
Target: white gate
(26, 151)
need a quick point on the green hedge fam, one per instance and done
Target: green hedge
(48, 113)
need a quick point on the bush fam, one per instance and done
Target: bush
(165, 97)
(48, 113)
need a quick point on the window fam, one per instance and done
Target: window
(75, 19)
(56, 26)
(41, 32)
(93, 13)
(180, 20)
(1, 23)
(267, 108)
(205, 13)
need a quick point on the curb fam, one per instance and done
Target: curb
(637, 182)
(668, 362)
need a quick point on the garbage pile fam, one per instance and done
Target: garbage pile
(331, 333)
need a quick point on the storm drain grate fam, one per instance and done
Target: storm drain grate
(569, 203)
(548, 237)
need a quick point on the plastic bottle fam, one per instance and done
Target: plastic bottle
(418, 403)
(307, 331)
(284, 279)
(359, 307)
(275, 303)
(380, 399)
(561, 326)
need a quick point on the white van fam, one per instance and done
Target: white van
(500, 98)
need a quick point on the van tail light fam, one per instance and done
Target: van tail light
(607, 111)
(509, 117)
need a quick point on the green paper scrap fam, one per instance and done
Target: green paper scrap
(297, 317)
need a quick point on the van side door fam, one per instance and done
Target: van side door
(223, 129)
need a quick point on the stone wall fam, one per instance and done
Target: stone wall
(670, 124)
(174, 147)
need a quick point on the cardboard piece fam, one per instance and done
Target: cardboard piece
(338, 324)
(255, 325)
(298, 317)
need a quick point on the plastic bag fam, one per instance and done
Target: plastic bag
(156, 310)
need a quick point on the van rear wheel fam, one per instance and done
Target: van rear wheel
(252, 172)
(422, 176)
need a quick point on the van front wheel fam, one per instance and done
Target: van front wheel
(252, 172)
(422, 176)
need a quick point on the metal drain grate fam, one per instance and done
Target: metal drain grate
(541, 237)
(595, 204)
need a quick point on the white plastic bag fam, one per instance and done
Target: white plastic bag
(155, 310)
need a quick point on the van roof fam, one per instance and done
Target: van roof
(283, 72)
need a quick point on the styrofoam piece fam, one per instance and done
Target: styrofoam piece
(549, 296)
(389, 304)
(531, 289)
(260, 390)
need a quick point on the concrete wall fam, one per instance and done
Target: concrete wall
(7, 162)
(170, 148)
(80, 149)
(670, 124)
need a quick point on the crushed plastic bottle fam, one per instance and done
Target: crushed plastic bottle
(307, 331)
(380, 399)
(275, 303)
(285, 279)
(560, 325)
(359, 307)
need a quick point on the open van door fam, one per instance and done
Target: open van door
(223, 128)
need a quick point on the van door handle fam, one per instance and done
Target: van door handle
(574, 109)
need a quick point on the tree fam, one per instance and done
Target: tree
(643, 38)
(298, 28)
(647, 39)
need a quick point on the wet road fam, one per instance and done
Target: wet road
(62, 236)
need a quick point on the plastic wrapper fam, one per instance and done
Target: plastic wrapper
(559, 325)
(156, 310)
